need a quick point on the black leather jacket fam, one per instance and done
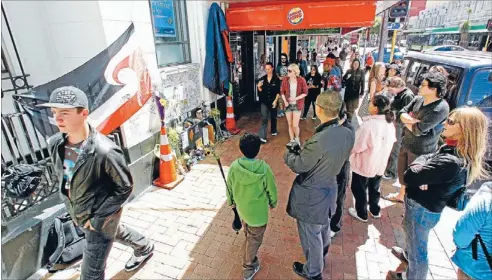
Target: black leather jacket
(101, 182)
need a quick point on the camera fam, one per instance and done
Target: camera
(294, 148)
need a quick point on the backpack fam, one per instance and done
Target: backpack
(21, 180)
(65, 243)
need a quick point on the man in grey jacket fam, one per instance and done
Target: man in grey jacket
(312, 199)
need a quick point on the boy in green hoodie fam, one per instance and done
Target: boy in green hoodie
(251, 189)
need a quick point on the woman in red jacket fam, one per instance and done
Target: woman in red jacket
(293, 91)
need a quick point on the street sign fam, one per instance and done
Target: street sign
(489, 25)
(394, 25)
(400, 9)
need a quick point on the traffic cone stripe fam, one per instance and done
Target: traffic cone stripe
(229, 103)
(230, 115)
(168, 157)
(164, 140)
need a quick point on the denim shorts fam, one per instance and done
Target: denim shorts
(292, 108)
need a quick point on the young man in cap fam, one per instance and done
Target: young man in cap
(94, 183)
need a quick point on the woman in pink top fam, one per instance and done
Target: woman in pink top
(373, 143)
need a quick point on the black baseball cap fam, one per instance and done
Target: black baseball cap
(67, 98)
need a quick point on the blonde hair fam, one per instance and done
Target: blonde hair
(472, 143)
(375, 71)
(295, 68)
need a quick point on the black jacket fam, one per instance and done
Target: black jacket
(354, 85)
(401, 100)
(443, 172)
(101, 181)
(269, 90)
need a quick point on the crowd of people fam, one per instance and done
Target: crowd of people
(435, 155)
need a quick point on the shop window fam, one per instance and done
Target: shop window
(170, 24)
(480, 93)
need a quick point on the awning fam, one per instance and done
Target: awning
(295, 15)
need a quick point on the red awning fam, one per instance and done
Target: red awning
(294, 15)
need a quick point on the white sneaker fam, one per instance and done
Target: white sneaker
(263, 140)
(254, 273)
(274, 134)
(313, 118)
(353, 213)
(375, 216)
(333, 233)
(397, 184)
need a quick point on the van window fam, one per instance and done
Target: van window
(480, 93)
(412, 71)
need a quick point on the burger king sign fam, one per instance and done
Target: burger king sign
(295, 16)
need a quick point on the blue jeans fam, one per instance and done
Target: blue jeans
(417, 224)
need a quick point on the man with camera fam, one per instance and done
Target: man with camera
(312, 199)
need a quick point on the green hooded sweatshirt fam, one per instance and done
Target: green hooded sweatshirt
(251, 187)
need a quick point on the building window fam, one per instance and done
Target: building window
(170, 24)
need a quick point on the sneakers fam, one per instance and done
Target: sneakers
(253, 274)
(274, 133)
(298, 141)
(375, 216)
(353, 213)
(299, 270)
(303, 118)
(333, 233)
(387, 176)
(397, 184)
(263, 140)
(399, 253)
(291, 143)
(314, 118)
(135, 262)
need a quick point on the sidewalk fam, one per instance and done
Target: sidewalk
(191, 228)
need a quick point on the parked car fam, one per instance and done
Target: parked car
(445, 48)
(469, 79)
(398, 54)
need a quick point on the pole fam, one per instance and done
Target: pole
(393, 43)
(486, 43)
(383, 35)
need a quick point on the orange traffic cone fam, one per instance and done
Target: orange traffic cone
(230, 120)
(168, 178)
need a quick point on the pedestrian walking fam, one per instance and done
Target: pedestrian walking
(313, 80)
(343, 178)
(269, 93)
(312, 199)
(354, 83)
(470, 256)
(293, 91)
(434, 180)
(251, 189)
(402, 97)
(95, 182)
(422, 120)
(373, 143)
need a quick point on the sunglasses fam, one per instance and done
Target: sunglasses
(451, 122)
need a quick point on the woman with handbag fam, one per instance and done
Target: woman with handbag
(472, 236)
(436, 180)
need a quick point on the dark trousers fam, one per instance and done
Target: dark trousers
(352, 105)
(360, 187)
(310, 101)
(99, 244)
(315, 242)
(391, 169)
(267, 112)
(254, 238)
(343, 179)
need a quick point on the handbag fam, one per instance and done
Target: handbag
(477, 239)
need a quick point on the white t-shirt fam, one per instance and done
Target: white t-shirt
(293, 92)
